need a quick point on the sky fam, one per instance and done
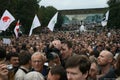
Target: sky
(74, 4)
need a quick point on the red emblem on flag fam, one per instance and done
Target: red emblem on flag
(5, 18)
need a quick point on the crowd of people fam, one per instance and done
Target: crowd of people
(62, 55)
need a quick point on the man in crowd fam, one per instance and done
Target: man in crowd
(94, 70)
(77, 67)
(66, 51)
(25, 65)
(38, 59)
(105, 60)
(13, 58)
(57, 73)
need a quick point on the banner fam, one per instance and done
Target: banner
(6, 20)
(104, 22)
(35, 24)
(52, 22)
(16, 29)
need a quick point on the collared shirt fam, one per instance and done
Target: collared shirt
(22, 71)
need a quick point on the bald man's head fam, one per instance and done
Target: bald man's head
(108, 54)
(105, 58)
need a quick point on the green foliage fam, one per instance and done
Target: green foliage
(25, 10)
(47, 13)
(10, 5)
(59, 21)
(114, 15)
(3, 6)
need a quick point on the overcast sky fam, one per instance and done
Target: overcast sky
(75, 4)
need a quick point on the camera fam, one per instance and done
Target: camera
(9, 67)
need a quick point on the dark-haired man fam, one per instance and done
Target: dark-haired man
(57, 73)
(77, 67)
(25, 65)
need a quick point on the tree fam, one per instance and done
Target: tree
(3, 6)
(46, 13)
(23, 10)
(59, 21)
(114, 15)
(10, 5)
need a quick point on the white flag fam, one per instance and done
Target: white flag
(35, 24)
(6, 20)
(52, 22)
(16, 29)
(104, 22)
(107, 15)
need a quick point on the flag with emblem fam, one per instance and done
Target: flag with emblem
(52, 22)
(35, 24)
(6, 20)
(16, 29)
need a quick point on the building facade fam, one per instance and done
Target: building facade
(83, 16)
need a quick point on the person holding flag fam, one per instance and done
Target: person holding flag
(35, 24)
